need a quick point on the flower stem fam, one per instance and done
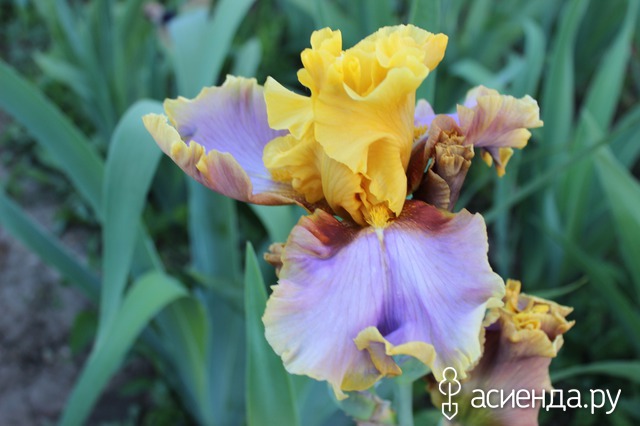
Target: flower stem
(404, 402)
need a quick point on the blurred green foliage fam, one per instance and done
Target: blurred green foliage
(175, 281)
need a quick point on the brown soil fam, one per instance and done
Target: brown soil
(37, 313)
(37, 370)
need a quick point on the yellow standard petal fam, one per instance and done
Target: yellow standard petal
(359, 119)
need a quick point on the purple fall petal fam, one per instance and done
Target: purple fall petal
(350, 298)
(218, 139)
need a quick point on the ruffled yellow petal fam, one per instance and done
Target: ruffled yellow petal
(343, 189)
(406, 46)
(298, 162)
(387, 176)
(534, 325)
(326, 48)
(289, 110)
(360, 113)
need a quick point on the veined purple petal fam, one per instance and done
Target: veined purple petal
(218, 139)
(497, 123)
(350, 298)
(489, 119)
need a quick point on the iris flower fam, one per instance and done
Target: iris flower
(369, 274)
(521, 339)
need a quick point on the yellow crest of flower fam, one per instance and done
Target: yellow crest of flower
(350, 141)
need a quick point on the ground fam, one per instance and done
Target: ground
(37, 369)
(37, 312)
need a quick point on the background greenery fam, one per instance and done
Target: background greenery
(171, 275)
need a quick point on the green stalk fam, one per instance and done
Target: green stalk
(403, 395)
